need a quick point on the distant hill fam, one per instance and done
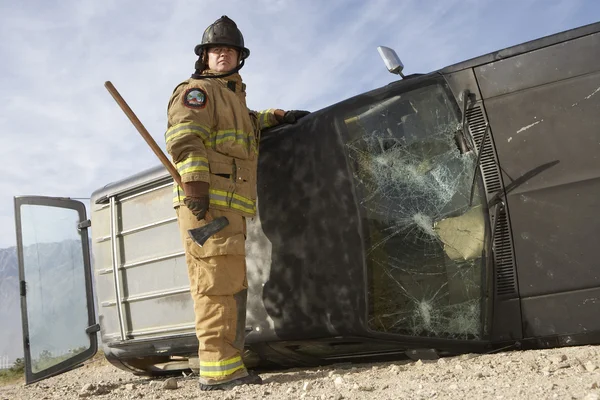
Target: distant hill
(59, 266)
(11, 344)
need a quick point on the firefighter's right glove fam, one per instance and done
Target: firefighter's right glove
(196, 198)
(290, 117)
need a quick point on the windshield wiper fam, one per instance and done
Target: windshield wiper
(466, 134)
(497, 198)
(479, 153)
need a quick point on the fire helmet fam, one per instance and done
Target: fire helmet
(223, 32)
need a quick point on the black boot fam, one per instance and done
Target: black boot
(251, 379)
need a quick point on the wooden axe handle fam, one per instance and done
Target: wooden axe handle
(138, 125)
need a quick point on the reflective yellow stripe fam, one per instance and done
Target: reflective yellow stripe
(220, 198)
(221, 363)
(236, 136)
(193, 164)
(187, 127)
(221, 368)
(263, 118)
(220, 373)
(178, 195)
(232, 200)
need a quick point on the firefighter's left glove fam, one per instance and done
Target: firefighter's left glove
(290, 117)
(196, 198)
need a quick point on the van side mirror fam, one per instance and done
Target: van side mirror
(391, 60)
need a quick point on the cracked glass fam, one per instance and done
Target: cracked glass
(424, 242)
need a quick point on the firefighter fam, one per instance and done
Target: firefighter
(212, 138)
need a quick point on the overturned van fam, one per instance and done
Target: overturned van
(448, 212)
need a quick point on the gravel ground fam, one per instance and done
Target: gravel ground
(567, 373)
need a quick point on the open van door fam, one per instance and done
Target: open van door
(57, 306)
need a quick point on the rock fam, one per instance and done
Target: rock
(90, 387)
(590, 366)
(478, 375)
(170, 384)
(441, 361)
(546, 371)
(87, 390)
(395, 369)
(307, 386)
(331, 373)
(555, 359)
(290, 390)
(453, 387)
(155, 384)
(101, 389)
(130, 386)
(594, 385)
(418, 363)
(458, 367)
(337, 396)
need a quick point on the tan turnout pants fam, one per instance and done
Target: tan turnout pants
(218, 286)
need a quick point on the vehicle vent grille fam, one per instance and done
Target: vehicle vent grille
(489, 166)
(506, 279)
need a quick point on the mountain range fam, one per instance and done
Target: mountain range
(56, 300)
(11, 343)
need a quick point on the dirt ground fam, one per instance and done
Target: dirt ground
(566, 373)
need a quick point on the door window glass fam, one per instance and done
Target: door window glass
(53, 265)
(424, 242)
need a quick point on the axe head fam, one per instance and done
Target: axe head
(200, 235)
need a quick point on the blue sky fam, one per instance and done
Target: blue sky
(63, 135)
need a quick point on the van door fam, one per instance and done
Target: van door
(57, 307)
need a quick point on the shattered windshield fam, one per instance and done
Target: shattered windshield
(424, 242)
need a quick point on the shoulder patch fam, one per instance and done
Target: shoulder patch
(195, 98)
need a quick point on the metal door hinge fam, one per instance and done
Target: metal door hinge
(84, 224)
(23, 288)
(92, 328)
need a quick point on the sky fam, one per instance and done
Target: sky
(63, 135)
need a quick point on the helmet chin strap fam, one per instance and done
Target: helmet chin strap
(198, 73)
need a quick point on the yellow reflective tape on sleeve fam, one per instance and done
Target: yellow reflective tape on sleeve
(178, 195)
(232, 200)
(263, 118)
(193, 164)
(184, 128)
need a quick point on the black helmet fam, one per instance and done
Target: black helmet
(223, 32)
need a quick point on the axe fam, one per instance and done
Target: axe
(198, 235)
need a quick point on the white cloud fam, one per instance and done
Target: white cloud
(63, 134)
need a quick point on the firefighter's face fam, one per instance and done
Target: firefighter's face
(222, 58)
